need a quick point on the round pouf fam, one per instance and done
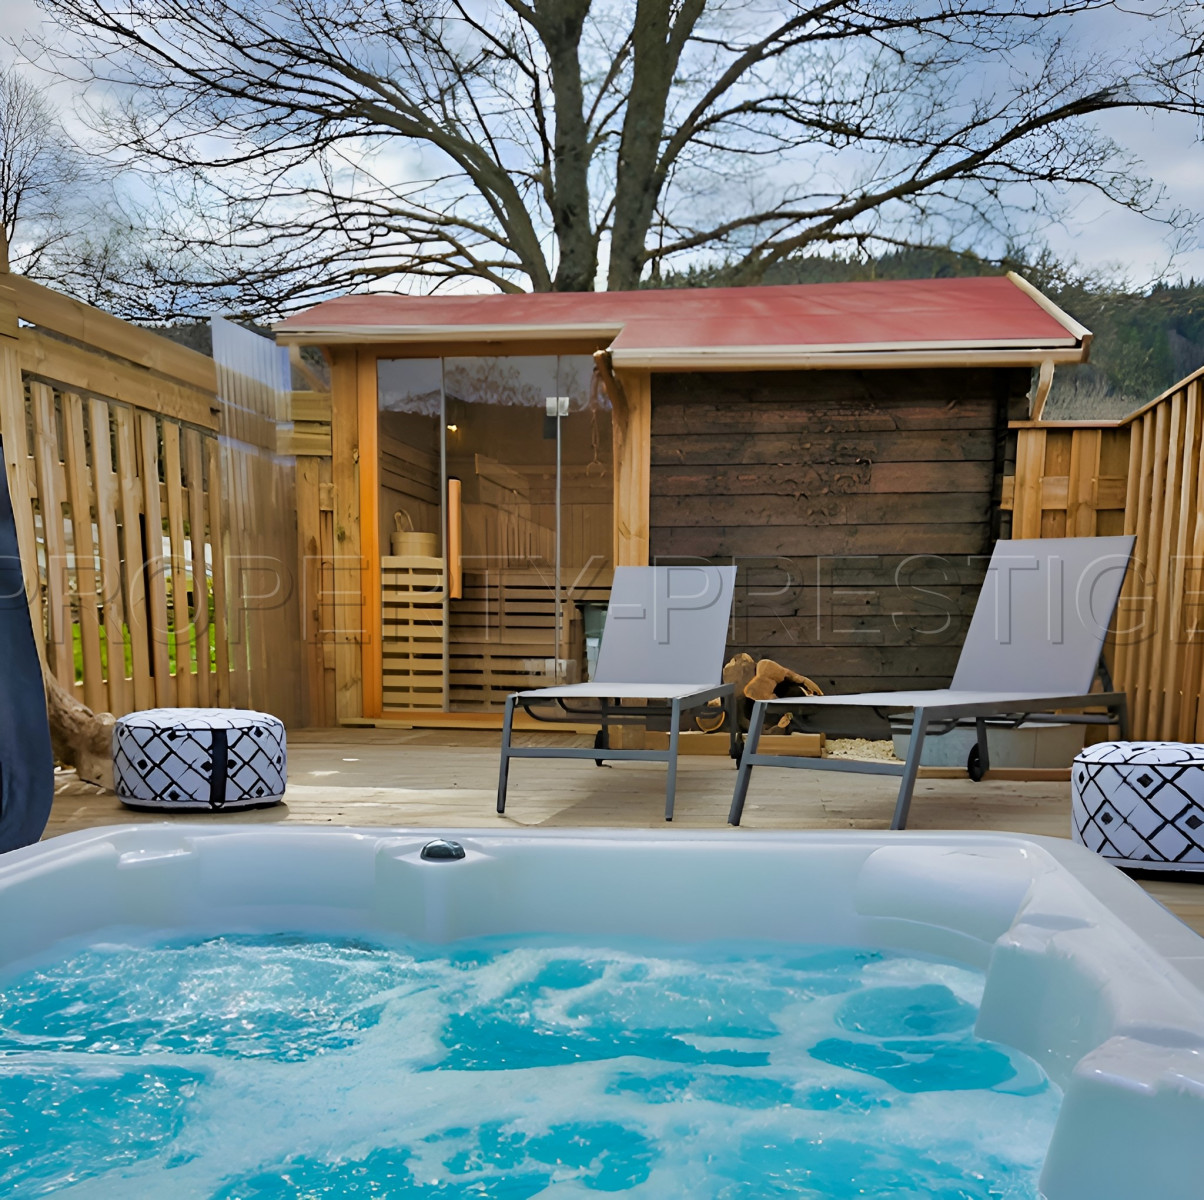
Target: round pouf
(1141, 804)
(190, 759)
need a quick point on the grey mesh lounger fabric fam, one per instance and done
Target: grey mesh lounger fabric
(1033, 647)
(663, 644)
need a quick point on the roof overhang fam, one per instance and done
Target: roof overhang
(640, 339)
(337, 335)
(951, 354)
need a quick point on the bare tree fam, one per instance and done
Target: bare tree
(313, 146)
(60, 212)
(40, 172)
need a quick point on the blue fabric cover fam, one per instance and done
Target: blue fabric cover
(26, 760)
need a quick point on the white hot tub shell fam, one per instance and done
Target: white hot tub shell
(1084, 972)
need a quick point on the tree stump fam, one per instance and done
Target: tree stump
(81, 738)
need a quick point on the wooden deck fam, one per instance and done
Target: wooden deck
(447, 779)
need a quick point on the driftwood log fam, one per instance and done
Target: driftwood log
(772, 679)
(760, 681)
(81, 738)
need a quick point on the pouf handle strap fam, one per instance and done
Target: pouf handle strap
(220, 756)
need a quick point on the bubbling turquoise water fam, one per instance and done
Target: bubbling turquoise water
(303, 1068)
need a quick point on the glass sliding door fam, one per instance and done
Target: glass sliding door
(501, 628)
(524, 508)
(586, 495)
(413, 636)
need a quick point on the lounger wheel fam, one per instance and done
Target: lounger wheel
(974, 764)
(600, 744)
(738, 753)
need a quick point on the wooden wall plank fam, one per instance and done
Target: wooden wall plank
(807, 515)
(863, 471)
(744, 447)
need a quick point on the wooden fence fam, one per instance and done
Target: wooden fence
(1144, 476)
(132, 510)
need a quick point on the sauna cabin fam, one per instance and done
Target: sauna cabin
(484, 462)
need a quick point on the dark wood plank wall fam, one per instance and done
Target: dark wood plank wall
(859, 505)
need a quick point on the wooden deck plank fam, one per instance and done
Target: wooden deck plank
(447, 779)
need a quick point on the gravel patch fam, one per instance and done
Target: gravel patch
(863, 748)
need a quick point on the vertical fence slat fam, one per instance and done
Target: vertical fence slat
(1144, 552)
(1082, 482)
(1156, 466)
(1187, 617)
(309, 576)
(1173, 455)
(133, 558)
(20, 475)
(108, 506)
(1175, 581)
(78, 482)
(50, 503)
(234, 484)
(217, 542)
(1030, 470)
(200, 575)
(156, 565)
(178, 616)
(1055, 483)
(1127, 633)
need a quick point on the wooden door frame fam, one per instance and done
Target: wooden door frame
(355, 438)
(368, 418)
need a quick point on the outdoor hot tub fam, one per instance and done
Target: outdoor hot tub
(254, 1014)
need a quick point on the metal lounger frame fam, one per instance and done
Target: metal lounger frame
(1023, 654)
(922, 721)
(610, 713)
(655, 637)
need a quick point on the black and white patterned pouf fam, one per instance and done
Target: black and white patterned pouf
(185, 759)
(1141, 804)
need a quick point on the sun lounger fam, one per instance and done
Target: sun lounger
(661, 656)
(1033, 647)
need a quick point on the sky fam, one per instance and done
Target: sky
(1096, 234)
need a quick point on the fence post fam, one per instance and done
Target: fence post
(16, 457)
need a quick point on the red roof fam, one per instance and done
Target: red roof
(727, 327)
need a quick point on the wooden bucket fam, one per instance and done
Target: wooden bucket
(410, 543)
